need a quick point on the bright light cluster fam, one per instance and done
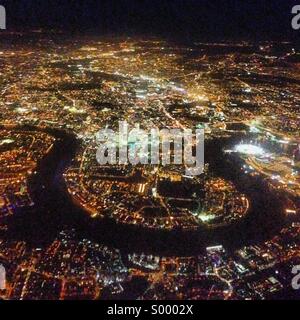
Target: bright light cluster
(249, 149)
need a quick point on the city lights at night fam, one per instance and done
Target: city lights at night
(200, 201)
(249, 149)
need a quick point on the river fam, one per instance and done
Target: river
(55, 211)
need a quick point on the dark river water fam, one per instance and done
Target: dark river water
(55, 211)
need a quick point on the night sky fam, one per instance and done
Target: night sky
(186, 19)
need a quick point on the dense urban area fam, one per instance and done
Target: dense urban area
(148, 231)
